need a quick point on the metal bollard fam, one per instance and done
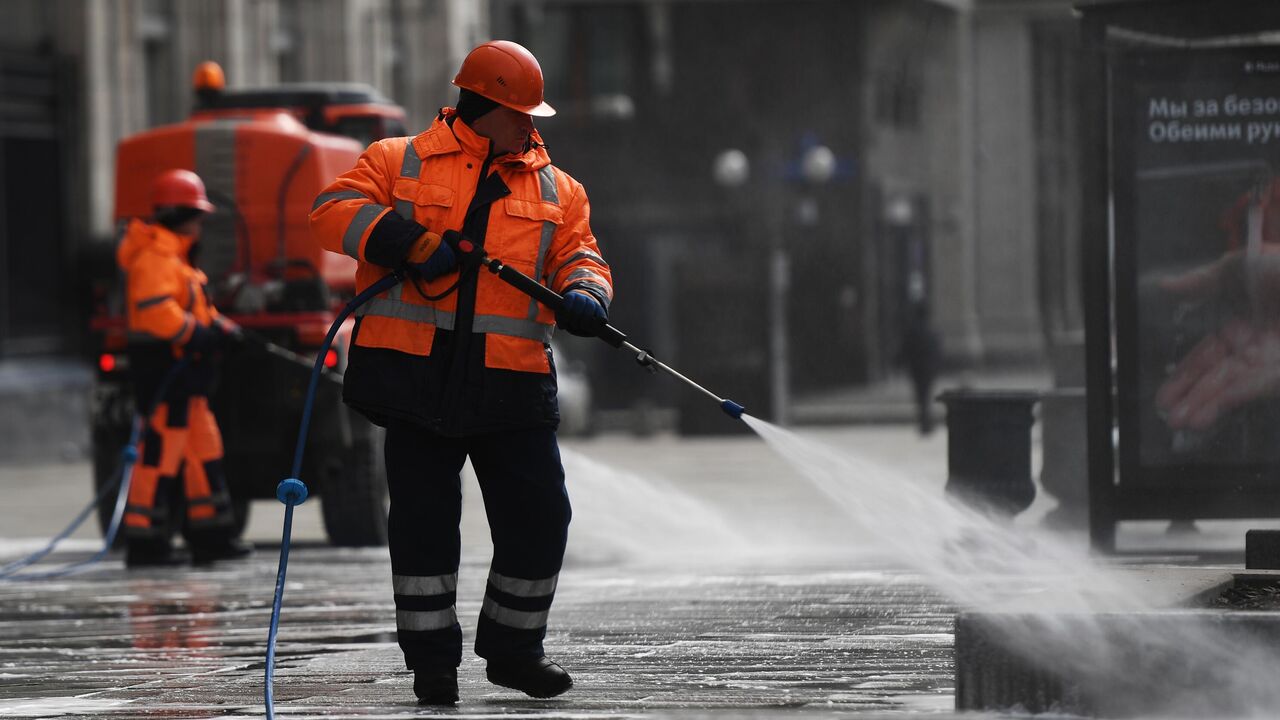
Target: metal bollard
(989, 448)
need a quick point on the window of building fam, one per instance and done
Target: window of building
(284, 43)
(898, 95)
(588, 53)
(154, 30)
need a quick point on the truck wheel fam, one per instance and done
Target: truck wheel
(107, 462)
(240, 506)
(353, 490)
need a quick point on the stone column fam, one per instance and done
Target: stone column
(1005, 228)
(958, 283)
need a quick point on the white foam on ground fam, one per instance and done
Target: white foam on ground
(18, 547)
(55, 707)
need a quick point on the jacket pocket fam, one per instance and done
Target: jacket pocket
(429, 204)
(520, 234)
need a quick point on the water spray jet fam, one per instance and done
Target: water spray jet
(1043, 627)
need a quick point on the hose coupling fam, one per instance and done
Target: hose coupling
(291, 491)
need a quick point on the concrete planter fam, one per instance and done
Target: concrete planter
(1184, 662)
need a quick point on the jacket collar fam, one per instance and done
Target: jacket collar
(443, 138)
(153, 237)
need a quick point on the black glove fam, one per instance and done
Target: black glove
(204, 339)
(581, 314)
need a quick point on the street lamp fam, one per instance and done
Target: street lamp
(817, 167)
(731, 168)
(817, 164)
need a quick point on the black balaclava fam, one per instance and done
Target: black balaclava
(472, 106)
(174, 216)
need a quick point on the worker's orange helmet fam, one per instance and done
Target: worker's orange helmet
(507, 74)
(180, 188)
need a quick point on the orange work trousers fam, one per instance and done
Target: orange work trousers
(181, 442)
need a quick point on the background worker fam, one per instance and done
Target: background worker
(456, 363)
(921, 354)
(170, 319)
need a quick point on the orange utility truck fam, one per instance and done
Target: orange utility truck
(264, 154)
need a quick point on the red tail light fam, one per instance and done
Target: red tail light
(106, 362)
(331, 358)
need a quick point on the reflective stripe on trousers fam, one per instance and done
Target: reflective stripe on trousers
(522, 480)
(425, 602)
(519, 603)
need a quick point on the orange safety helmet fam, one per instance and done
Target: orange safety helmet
(506, 73)
(180, 188)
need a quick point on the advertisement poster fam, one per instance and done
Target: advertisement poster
(1196, 138)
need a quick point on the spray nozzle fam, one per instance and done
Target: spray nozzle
(732, 409)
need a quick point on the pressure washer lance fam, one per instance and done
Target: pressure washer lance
(260, 341)
(607, 332)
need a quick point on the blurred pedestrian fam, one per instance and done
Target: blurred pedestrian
(171, 319)
(456, 364)
(921, 354)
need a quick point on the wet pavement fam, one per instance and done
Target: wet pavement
(643, 641)
(702, 580)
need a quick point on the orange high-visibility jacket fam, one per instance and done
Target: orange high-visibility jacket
(541, 229)
(165, 294)
(536, 220)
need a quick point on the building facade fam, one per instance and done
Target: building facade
(77, 76)
(890, 150)
(952, 131)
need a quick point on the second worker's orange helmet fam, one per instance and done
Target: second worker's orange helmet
(180, 188)
(506, 73)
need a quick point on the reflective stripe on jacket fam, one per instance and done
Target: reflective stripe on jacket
(532, 216)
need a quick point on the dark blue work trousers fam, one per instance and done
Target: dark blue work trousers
(522, 481)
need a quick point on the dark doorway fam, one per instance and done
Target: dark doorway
(33, 243)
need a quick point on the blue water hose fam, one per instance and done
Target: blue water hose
(292, 491)
(128, 457)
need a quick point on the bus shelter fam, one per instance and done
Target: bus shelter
(1182, 260)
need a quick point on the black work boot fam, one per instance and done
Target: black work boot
(211, 546)
(435, 686)
(536, 677)
(152, 553)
